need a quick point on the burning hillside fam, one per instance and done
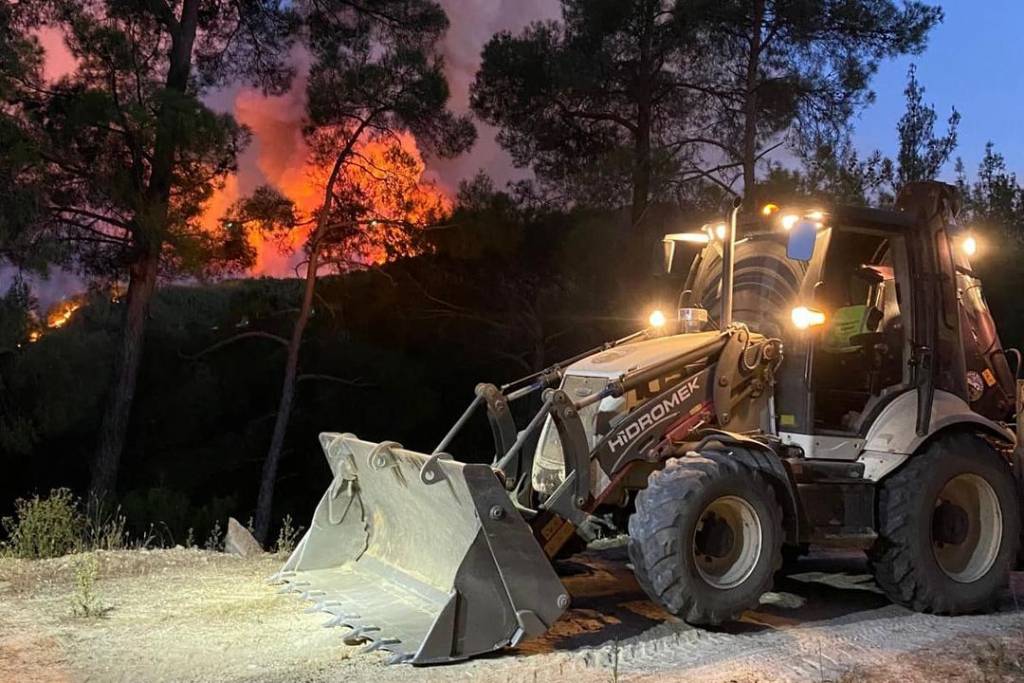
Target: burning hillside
(61, 312)
(386, 181)
(58, 315)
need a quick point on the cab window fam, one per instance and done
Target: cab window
(858, 354)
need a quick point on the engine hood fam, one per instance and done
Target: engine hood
(642, 354)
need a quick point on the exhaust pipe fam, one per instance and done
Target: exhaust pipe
(729, 265)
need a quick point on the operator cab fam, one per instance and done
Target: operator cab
(859, 356)
(852, 276)
(844, 310)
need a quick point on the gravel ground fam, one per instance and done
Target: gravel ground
(190, 615)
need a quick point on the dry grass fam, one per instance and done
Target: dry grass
(167, 615)
(973, 660)
(1000, 659)
(192, 615)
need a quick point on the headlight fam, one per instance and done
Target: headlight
(804, 317)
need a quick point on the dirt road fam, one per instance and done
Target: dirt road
(189, 615)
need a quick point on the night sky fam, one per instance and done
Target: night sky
(974, 62)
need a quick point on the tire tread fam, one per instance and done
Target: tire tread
(654, 533)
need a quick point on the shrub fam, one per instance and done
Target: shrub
(288, 536)
(215, 541)
(84, 601)
(44, 527)
(104, 529)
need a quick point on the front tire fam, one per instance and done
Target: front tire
(949, 528)
(706, 538)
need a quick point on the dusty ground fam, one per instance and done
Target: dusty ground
(189, 615)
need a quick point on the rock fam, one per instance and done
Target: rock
(238, 540)
(783, 600)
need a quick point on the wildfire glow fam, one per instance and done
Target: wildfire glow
(61, 314)
(387, 177)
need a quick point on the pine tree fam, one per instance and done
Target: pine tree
(130, 152)
(922, 154)
(376, 75)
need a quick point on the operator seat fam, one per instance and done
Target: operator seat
(851, 366)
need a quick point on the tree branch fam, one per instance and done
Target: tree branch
(231, 340)
(91, 214)
(163, 13)
(331, 378)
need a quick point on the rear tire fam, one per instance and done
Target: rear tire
(706, 538)
(949, 528)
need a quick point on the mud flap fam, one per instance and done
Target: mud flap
(421, 556)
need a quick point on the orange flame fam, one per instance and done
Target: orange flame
(61, 313)
(394, 185)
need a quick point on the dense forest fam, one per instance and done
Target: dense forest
(184, 390)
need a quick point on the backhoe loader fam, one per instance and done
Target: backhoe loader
(832, 377)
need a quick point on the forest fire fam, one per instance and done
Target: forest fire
(61, 313)
(386, 178)
(57, 317)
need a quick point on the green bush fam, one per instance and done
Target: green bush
(44, 527)
(288, 536)
(85, 602)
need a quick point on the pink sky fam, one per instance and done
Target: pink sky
(473, 22)
(277, 144)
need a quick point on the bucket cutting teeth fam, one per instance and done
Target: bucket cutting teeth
(340, 619)
(322, 606)
(379, 644)
(279, 578)
(360, 635)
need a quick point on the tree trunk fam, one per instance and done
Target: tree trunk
(268, 478)
(750, 104)
(149, 228)
(265, 502)
(642, 165)
(642, 134)
(114, 426)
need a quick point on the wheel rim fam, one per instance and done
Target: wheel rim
(727, 542)
(967, 528)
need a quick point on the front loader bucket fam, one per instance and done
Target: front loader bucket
(426, 558)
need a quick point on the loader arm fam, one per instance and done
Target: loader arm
(714, 378)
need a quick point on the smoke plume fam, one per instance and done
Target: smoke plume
(278, 155)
